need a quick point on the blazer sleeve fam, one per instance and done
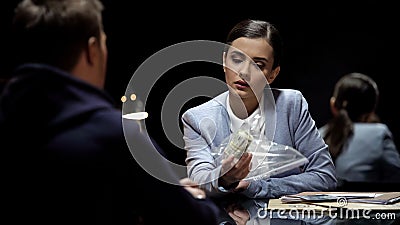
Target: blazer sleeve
(390, 158)
(317, 175)
(201, 166)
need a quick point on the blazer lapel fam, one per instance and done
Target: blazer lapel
(269, 113)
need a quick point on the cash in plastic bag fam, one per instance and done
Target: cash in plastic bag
(269, 158)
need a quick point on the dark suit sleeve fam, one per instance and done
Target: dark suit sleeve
(156, 201)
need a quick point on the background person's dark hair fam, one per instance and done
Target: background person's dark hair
(258, 29)
(44, 32)
(356, 98)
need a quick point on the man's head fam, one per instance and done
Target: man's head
(63, 33)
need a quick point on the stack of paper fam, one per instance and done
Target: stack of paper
(384, 198)
(326, 197)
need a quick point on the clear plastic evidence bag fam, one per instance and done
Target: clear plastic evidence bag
(269, 158)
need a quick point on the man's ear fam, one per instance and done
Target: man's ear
(273, 74)
(92, 50)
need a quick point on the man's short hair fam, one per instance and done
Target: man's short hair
(55, 32)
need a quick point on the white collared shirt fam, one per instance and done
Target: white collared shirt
(256, 119)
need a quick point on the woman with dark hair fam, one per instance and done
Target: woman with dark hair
(362, 148)
(251, 61)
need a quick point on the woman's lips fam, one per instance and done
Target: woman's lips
(240, 84)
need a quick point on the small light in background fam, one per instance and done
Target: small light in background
(136, 116)
(123, 98)
(133, 104)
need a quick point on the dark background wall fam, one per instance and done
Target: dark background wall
(323, 41)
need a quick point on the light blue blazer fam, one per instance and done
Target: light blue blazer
(207, 125)
(369, 155)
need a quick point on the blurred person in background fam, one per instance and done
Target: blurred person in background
(361, 146)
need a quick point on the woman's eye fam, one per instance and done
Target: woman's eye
(260, 65)
(236, 60)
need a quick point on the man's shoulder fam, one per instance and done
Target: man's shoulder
(109, 116)
(103, 124)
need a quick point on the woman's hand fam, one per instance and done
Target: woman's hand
(233, 173)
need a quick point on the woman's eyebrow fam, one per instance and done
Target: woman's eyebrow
(235, 52)
(241, 54)
(260, 58)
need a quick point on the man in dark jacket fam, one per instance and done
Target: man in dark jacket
(63, 147)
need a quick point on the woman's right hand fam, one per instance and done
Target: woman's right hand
(234, 172)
